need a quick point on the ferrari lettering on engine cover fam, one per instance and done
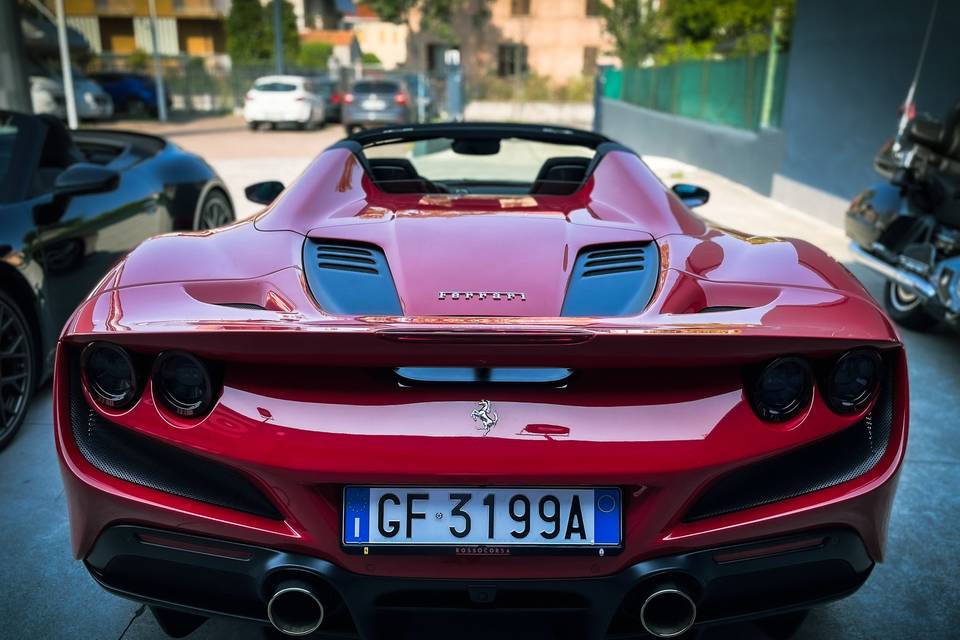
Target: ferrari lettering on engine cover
(482, 295)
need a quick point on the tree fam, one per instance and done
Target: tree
(636, 27)
(288, 22)
(732, 27)
(314, 55)
(250, 31)
(248, 36)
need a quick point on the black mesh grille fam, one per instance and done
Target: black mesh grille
(121, 453)
(825, 463)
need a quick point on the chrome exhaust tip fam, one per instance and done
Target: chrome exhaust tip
(295, 609)
(668, 612)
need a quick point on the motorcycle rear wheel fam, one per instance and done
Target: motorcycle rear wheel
(906, 308)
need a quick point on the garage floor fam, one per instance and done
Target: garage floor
(915, 593)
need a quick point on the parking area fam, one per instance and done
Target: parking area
(913, 594)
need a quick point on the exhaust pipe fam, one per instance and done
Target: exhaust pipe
(890, 272)
(668, 612)
(295, 609)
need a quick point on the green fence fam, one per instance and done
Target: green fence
(728, 92)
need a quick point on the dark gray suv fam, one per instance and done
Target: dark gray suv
(374, 103)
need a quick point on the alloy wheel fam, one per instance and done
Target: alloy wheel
(903, 299)
(214, 213)
(16, 374)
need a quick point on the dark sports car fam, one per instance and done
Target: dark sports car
(467, 378)
(71, 204)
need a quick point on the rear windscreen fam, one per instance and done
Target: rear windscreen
(375, 87)
(275, 86)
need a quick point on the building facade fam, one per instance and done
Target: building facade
(184, 27)
(556, 39)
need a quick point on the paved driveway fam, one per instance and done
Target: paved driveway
(46, 594)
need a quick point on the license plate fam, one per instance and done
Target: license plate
(374, 104)
(472, 517)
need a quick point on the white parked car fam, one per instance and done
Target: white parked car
(278, 99)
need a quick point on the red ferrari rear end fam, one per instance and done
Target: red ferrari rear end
(394, 404)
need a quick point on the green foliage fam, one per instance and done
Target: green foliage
(701, 28)
(436, 16)
(694, 29)
(636, 27)
(369, 58)
(314, 55)
(291, 38)
(532, 87)
(138, 60)
(250, 31)
(392, 10)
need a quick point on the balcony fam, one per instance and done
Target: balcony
(128, 8)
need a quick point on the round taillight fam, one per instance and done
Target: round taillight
(182, 383)
(109, 374)
(782, 389)
(853, 381)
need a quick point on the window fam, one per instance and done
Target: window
(589, 61)
(511, 60)
(519, 7)
(593, 7)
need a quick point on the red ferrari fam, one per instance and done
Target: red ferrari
(467, 378)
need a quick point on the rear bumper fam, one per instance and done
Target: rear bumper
(358, 116)
(215, 577)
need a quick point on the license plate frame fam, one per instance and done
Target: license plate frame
(594, 548)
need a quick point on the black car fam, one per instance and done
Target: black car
(71, 204)
(333, 97)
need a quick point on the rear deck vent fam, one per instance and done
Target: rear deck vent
(606, 261)
(347, 258)
(612, 280)
(350, 278)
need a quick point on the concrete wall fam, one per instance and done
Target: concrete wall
(850, 65)
(748, 157)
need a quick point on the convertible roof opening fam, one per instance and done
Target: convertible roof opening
(479, 158)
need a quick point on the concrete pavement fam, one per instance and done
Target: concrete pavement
(915, 593)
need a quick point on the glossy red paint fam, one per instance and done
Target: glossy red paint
(658, 410)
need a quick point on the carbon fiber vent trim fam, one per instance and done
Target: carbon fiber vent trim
(825, 463)
(350, 278)
(121, 453)
(612, 280)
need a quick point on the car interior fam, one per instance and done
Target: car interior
(558, 175)
(63, 148)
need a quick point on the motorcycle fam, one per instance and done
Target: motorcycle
(907, 228)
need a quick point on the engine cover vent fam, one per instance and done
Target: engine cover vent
(612, 280)
(350, 278)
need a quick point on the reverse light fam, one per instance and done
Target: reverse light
(853, 381)
(782, 389)
(182, 383)
(109, 374)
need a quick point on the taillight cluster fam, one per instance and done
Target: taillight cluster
(348, 98)
(115, 378)
(783, 387)
(400, 98)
